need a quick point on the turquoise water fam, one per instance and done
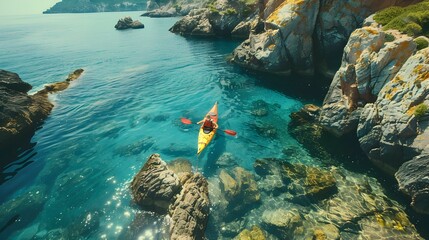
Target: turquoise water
(127, 105)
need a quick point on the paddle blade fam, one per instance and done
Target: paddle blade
(185, 121)
(230, 132)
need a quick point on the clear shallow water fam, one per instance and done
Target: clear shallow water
(126, 106)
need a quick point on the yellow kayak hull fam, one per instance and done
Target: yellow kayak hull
(205, 138)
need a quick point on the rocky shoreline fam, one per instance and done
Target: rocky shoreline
(21, 113)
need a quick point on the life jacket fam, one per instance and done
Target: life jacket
(208, 124)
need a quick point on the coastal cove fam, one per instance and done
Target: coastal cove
(74, 180)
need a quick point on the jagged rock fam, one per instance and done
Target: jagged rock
(228, 185)
(255, 233)
(221, 17)
(292, 28)
(20, 113)
(286, 41)
(390, 131)
(413, 179)
(189, 213)
(369, 62)
(194, 24)
(155, 186)
(127, 22)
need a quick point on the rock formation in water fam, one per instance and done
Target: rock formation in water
(21, 114)
(88, 6)
(219, 18)
(127, 22)
(304, 36)
(180, 193)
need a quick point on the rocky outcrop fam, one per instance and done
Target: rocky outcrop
(181, 194)
(155, 186)
(127, 22)
(380, 93)
(413, 179)
(189, 213)
(220, 18)
(303, 36)
(371, 58)
(87, 6)
(21, 113)
(255, 233)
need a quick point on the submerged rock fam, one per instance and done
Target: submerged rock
(127, 22)
(17, 213)
(155, 186)
(285, 222)
(255, 233)
(180, 165)
(226, 160)
(135, 148)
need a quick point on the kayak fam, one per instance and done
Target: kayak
(205, 138)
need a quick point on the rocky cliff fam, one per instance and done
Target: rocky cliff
(381, 95)
(303, 36)
(87, 6)
(21, 113)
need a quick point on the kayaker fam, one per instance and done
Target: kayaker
(208, 124)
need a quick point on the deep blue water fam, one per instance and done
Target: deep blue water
(126, 106)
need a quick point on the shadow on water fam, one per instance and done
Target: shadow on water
(214, 152)
(14, 159)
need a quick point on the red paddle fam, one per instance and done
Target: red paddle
(227, 131)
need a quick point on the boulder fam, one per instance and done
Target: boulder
(189, 213)
(255, 233)
(413, 179)
(221, 18)
(127, 22)
(285, 223)
(155, 186)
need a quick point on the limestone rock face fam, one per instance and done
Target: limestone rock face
(287, 42)
(189, 213)
(155, 186)
(127, 22)
(194, 24)
(307, 34)
(369, 62)
(391, 131)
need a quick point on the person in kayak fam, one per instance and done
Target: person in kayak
(208, 124)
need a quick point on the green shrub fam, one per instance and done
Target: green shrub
(412, 20)
(420, 110)
(389, 37)
(388, 14)
(421, 43)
